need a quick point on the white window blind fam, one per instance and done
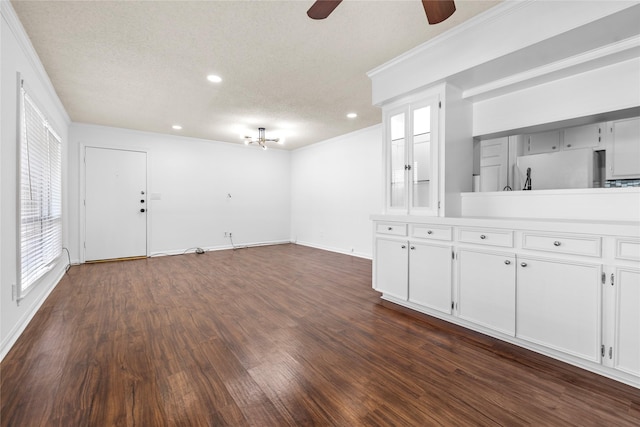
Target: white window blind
(40, 186)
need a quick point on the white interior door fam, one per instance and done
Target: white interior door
(115, 204)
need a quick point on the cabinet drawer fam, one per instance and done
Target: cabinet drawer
(628, 249)
(391, 228)
(566, 244)
(486, 237)
(434, 232)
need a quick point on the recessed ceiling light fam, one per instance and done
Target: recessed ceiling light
(214, 79)
(352, 115)
(176, 127)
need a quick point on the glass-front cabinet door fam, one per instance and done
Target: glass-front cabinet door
(412, 158)
(397, 157)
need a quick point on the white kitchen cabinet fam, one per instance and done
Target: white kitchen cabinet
(392, 268)
(487, 289)
(559, 305)
(587, 136)
(428, 152)
(541, 288)
(414, 271)
(411, 134)
(623, 149)
(623, 351)
(543, 142)
(430, 276)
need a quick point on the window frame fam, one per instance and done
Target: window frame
(39, 194)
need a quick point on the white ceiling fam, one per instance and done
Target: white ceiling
(143, 64)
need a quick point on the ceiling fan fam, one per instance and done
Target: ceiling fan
(436, 10)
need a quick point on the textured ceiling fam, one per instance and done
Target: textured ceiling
(143, 64)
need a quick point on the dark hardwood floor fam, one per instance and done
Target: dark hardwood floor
(275, 336)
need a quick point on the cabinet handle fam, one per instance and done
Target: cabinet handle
(523, 264)
(390, 228)
(556, 243)
(404, 246)
(429, 232)
(482, 236)
(412, 247)
(506, 261)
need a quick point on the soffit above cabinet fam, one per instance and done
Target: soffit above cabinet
(513, 46)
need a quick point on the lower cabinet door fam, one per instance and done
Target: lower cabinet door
(558, 306)
(430, 276)
(626, 349)
(487, 289)
(392, 268)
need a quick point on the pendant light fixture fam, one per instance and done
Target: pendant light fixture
(261, 140)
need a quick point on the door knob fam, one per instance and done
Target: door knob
(142, 210)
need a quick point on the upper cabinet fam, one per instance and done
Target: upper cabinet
(412, 156)
(418, 131)
(543, 142)
(588, 136)
(623, 151)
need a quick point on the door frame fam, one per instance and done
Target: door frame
(82, 223)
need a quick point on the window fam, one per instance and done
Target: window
(40, 192)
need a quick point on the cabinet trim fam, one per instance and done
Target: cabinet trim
(628, 249)
(592, 244)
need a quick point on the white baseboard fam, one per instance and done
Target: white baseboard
(219, 248)
(333, 249)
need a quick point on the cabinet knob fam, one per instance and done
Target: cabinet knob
(506, 261)
(568, 145)
(556, 243)
(404, 246)
(482, 236)
(429, 232)
(553, 148)
(523, 264)
(412, 247)
(390, 228)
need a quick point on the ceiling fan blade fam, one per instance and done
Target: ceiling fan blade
(322, 8)
(438, 10)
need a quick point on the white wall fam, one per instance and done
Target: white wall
(335, 186)
(193, 179)
(593, 204)
(18, 56)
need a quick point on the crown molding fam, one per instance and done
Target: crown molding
(485, 18)
(511, 27)
(10, 17)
